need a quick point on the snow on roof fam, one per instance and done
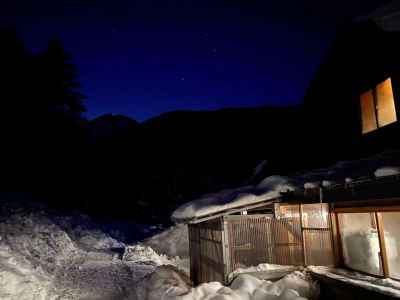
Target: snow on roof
(387, 171)
(387, 16)
(380, 165)
(269, 189)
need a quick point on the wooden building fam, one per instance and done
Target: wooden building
(352, 225)
(270, 232)
(355, 100)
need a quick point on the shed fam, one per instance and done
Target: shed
(269, 231)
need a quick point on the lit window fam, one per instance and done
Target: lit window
(360, 242)
(368, 112)
(377, 107)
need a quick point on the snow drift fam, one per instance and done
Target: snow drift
(44, 255)
(172, 241)
(166, 283)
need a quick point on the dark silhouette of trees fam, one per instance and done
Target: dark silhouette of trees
(114, 166)
(41, 112)
(59, 78)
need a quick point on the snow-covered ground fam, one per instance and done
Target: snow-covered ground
(46, 256)
(172, 242)
(261, 268)
(167, 284)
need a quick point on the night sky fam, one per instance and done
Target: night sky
(142, 58)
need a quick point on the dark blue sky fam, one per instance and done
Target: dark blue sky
(142, 58)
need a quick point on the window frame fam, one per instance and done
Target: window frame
(377, 211)
(375, 99)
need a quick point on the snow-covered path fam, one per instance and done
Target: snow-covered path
(44, 256)
(96, 280)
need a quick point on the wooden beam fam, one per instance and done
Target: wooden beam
(302, 235)
(368, 203)
(226, 250)
(339, 240)
(335, 239)
(382, 244)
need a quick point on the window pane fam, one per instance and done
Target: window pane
(385, 103)
(368, 112)
(289, 211)
(360, 242)
(315, 215)
(318, 247)
(391, 227)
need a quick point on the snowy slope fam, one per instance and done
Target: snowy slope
(46, 256)
(172, 242)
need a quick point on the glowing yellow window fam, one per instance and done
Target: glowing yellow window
(377, 107)
(368, 112)
(385, 103)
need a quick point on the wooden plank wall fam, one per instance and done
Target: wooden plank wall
(257, 239)
(316, 231)
(206, 251)
(301, 235)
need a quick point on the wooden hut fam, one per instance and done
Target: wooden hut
(269, 232)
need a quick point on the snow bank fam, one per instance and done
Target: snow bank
(32, 249)
(172, 242)
(270, 188)
(387, 171)
(45, 256)
(146, 255)
(385, 286)
(167, 283)
(139, 253)
(19, 280)
(260, 268)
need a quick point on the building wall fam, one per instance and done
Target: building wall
(301, 235)
(207, 251)
(362, 56)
